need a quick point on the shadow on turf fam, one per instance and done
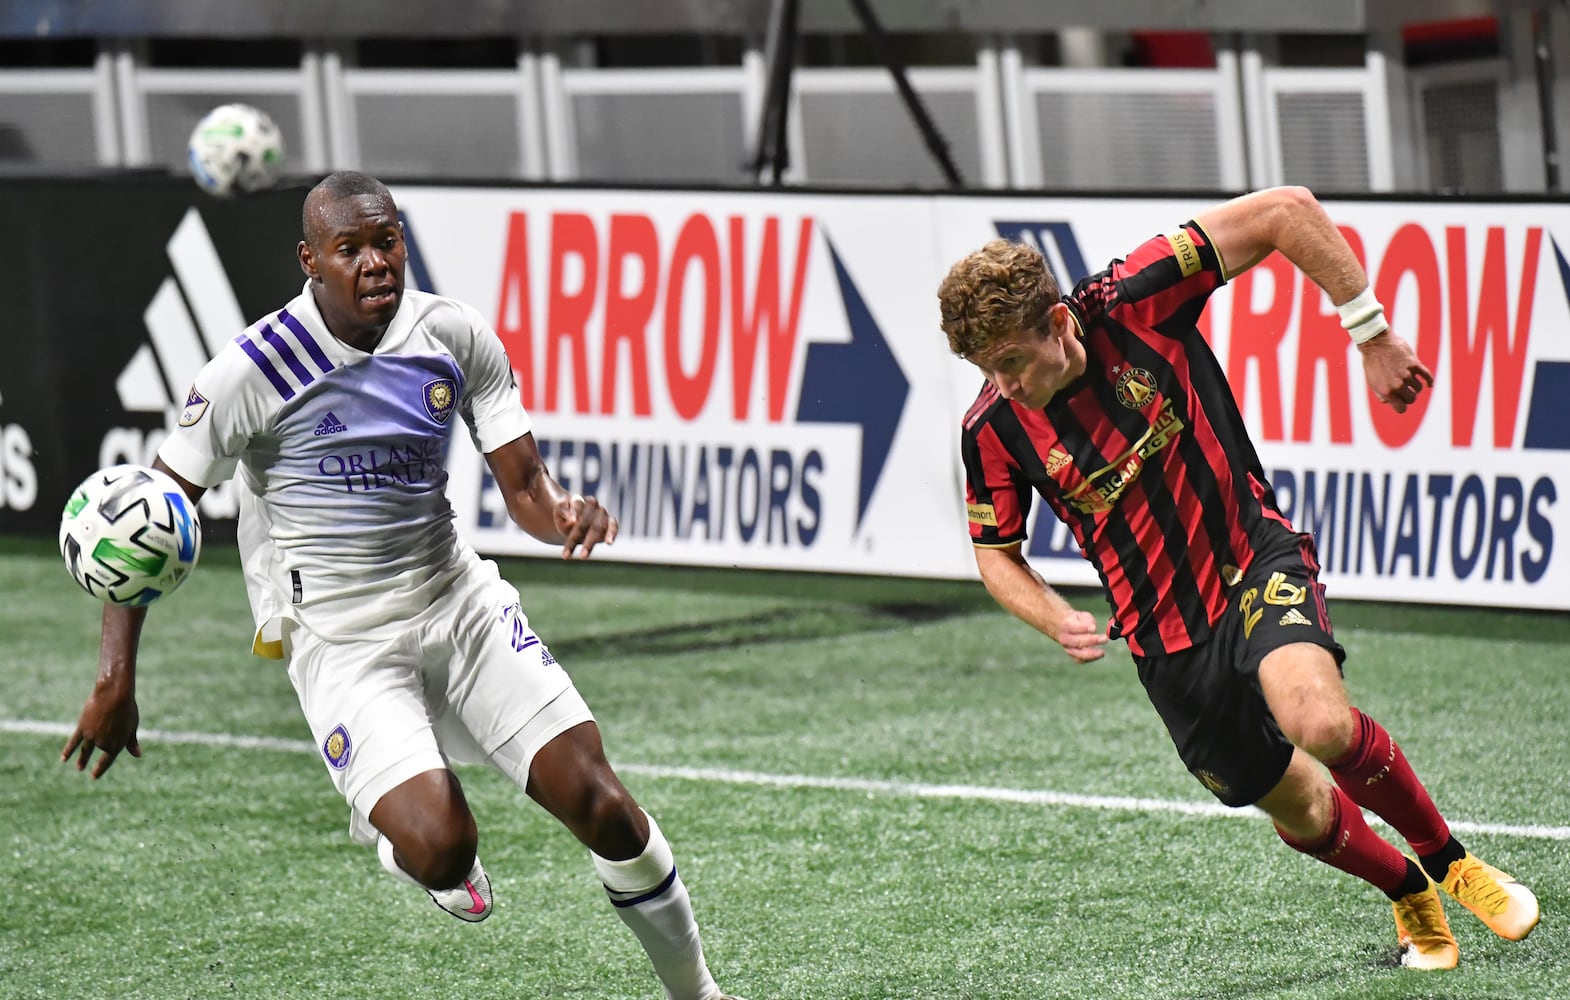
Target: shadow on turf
(937, 598)
(776, 626)
(1386, 959)
(958, 597)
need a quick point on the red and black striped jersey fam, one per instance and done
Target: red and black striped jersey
(1145, 455)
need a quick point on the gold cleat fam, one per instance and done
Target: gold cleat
(1423, 933)
(1506, 906)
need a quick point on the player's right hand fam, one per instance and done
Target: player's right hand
(1079, 638)
(108, 724)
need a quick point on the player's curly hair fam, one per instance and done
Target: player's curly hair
(1003, 288)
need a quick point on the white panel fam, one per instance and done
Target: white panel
(178, 344)
(106, 131)
(1019, 120)
(1229, 120)
(561, 144)
(1381, 167)
(531, 118)
(343, 140)
(133, 110)
(201, 273)
(989, 119)
(313, 115)
(140, 386)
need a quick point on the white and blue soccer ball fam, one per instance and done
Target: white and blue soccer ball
(129, 535)
(235, 149)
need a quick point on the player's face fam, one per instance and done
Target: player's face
(357, 258)
(1030, 366)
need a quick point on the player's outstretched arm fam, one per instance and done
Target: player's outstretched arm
(1019, 588)
(539, 505)
(1291, 220)
(110, 717)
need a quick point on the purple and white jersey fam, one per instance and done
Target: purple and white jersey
(342, 456)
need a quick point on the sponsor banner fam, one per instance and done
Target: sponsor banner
(758, 379)
(122, 290)
(1462, 499)
(744, 379)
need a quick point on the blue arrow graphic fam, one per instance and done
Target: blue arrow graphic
(1069, 268)
(1546, 426)
(855, 383)
(417, 268)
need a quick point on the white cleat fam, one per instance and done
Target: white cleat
(470, 900)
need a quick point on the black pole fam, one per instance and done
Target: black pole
(913, 102)
(1543, 63)
(773, 150)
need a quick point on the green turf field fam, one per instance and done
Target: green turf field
(875, 789)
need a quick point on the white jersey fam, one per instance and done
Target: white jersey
(345, 525)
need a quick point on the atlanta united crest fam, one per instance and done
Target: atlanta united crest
(1135, 388)
(1212, 781)
(440, 395)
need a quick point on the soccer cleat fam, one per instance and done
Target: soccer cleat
(470, 900)
(1423, 933)
(1506, 906)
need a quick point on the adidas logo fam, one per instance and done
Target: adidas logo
(330, 425)
(183, 338)
(1294, 617)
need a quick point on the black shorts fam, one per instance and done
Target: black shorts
(1209, 695)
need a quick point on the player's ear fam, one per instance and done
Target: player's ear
(1059, 322)
(308, 261)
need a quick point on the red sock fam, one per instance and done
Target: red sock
(1354, 847)
(1376, 776)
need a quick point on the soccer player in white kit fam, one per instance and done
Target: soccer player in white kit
(405, 648)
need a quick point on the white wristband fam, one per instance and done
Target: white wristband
(1362, 317)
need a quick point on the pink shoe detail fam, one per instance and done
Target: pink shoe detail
(474, 894)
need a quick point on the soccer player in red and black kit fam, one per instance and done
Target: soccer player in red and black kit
(1108, 403)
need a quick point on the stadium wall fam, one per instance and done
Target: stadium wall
(756, 379)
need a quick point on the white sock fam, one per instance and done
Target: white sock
(651, 900)
(384, 854)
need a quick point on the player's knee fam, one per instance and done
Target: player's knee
(440, 857)
(1326, 735)
(611, 820)
(438, 846)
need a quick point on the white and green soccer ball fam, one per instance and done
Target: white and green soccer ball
(129, 535)
(235, 149)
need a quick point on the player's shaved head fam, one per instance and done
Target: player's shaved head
(354, 255)
(332, 189)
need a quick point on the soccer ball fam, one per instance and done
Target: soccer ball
(235, 148)
(130, 535)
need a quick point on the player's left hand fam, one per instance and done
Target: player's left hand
(585, 524)
(1394, 373)
(1079, 637)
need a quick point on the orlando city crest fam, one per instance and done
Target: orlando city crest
(440, 397)
(1135, 388)
(336, 747)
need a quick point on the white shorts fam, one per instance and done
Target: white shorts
(466, 676)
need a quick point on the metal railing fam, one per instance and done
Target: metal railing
(1241, 124)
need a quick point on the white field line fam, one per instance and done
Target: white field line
(865, 786)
